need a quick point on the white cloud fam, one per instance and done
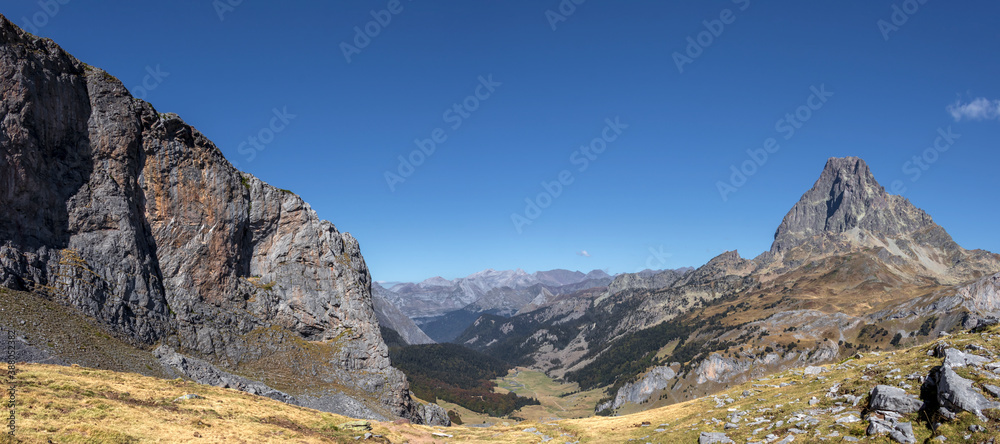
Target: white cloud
(978, 109)
(583, 253)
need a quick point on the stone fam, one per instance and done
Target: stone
(955, 358)
(956, 393)
(899, 432)
(714, 438)
(992, 389)
(894, 399)
(813, 370)
(433, 414)
(903, 434)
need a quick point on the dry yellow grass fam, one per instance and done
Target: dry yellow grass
(80, 405)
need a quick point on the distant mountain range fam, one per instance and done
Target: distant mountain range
(486, 290)
(444, 308)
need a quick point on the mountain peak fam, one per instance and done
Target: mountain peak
(846, 197)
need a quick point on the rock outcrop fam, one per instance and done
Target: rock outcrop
(434, 414)
(204, 373)
(983, 296)
(893, 399)
(654, 381)
(136, 219)
(956, 394)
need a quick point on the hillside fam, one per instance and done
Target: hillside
(833, 402)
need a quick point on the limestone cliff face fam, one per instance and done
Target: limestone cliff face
(137, 219)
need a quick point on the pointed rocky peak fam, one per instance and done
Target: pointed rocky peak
(844, 198)
(8, 31)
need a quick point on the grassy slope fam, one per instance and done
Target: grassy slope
(69, 334)
(75, 404)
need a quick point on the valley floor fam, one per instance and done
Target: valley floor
(81, 405)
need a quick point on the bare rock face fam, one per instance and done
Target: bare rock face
(653, 382)
(847, 196)
(138, 220)
(847, 210)
(983, 296)
(72, 226)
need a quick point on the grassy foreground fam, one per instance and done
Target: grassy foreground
(81, 405)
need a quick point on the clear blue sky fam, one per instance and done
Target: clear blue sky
(655, 185)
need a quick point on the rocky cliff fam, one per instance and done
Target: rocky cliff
(137, 220)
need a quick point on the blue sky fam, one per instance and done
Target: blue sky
(653, 188)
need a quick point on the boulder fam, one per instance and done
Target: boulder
(435, 415)
(956, 358)
(893, 399)
(901, 432)
(955, 393)
(714, 438)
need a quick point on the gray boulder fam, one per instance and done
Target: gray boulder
(893, 399)
(901, 432)
(956, 393)
(956, 358)
(713, 438)
(434, 415)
